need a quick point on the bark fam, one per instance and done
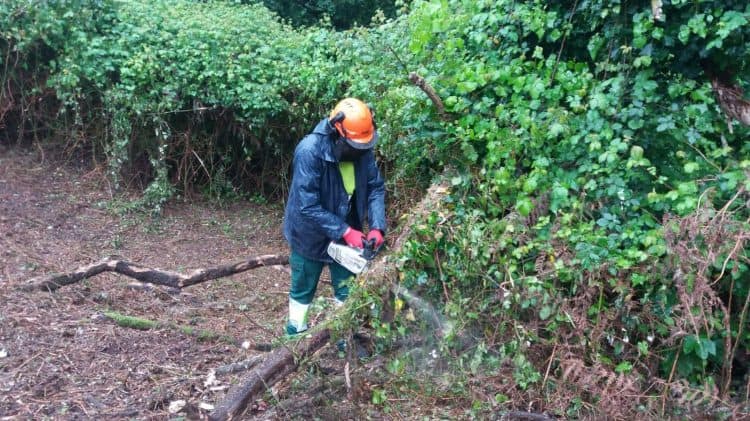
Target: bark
(657, 10)
(276, 366)
(240, 366)
(149, 275)
(732, 102)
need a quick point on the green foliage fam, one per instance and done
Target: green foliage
(577, 132)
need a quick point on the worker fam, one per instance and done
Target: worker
(336, 187)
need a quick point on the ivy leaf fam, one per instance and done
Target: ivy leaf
(690, 344)
(691, 167)
(730, 21)
(708, 348)
(466, 87)
(524, 206)
(545, 312)
(665, 123)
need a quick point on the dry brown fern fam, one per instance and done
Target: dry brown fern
(614, 394)
(695, 243)
(703, 402)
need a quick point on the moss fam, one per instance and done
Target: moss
(131, 321)
(202, 335)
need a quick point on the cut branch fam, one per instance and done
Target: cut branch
(278, 365)
(281, 362)
(240, 366)
(422, 84)
(149, 275)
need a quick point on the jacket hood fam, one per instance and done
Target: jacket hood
(328, 132)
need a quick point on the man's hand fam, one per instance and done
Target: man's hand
(353, 238)
(377, 236)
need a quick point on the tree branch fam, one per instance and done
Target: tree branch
(422, 84)
(276, 366)
(149, 275)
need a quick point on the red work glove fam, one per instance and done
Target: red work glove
(377, 236)
(353, 238)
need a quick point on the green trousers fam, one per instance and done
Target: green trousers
(305, 277)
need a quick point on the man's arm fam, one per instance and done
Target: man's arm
(376, 197)
(308, 171)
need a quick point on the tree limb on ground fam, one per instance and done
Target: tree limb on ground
(240, 366)
(281, 362)
(275, 367)
(153, 276)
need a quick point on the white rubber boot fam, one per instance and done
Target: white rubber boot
(297, 317)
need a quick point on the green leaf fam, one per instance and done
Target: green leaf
(466, 87)
(545, 312)
(379, 396)
(689, 344)
(730, 21)
(691, 167)
(636, 152)
(708, 348)
(624, 367)
(524, 206)
(595, 44)
(642, 348)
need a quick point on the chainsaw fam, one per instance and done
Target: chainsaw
(354, 259)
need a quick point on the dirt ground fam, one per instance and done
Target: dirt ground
(63, 357)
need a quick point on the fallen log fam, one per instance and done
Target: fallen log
(239, 366)
(281, 362)
(150, 275)
(276, 366)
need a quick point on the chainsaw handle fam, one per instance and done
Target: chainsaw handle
(369, 250)
(368, 245)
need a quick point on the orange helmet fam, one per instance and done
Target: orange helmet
(354, 121)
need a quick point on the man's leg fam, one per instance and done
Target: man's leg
(341, 278)
(305, 276)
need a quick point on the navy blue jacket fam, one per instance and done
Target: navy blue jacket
(317, 211)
